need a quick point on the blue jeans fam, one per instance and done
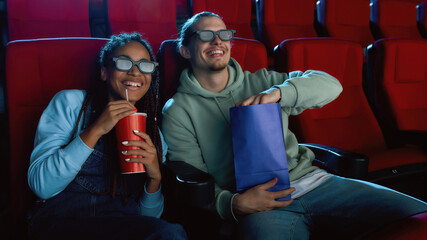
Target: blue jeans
(105, 228)
(341, 208)
(80, 212)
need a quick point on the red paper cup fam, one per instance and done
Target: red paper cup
(124, 132)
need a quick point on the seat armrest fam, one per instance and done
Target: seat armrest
(341, 162)
(189, 185)
(196, 188)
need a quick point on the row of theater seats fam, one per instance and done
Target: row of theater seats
(369, 117)
(396, 85)
(29, 19)
(363, 21)
(373, 113)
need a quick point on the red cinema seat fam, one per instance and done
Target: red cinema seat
(181, 8)
(394, 18)
(250, 54)
(36, 70)
(422, 18)
(202, 224)
(154, 20)
(235, 13)
(171, 63)
(397, 89)
(30, 19)
(278, 20)
(348, 122)
(345, 19)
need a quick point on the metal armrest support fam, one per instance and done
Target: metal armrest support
(341, 162)
(189, 185)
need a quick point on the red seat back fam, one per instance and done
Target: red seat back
(250, 54)
(398, 83)
(171, 63)
(155, 20)
(333, 124)
(236, 14)
(348, 122)
(346, 19)
(394, 18)
(36, 70)
(30, 19)
(284, 19)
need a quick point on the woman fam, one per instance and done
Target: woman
(74, 167)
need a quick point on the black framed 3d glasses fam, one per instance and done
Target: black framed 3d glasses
(208, 35)
(126, 64)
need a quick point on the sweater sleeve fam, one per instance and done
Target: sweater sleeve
(308, 90)
(152, 204)
(52, 168)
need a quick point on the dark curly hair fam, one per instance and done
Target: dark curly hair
(98, 98)
(117, 41)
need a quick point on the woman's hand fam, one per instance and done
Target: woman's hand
(272, 95)
(149, 158)
(113, 112)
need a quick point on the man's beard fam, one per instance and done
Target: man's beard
(217, 67)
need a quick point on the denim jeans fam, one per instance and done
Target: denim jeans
(340, 208)
(80, 212)
(105, 228)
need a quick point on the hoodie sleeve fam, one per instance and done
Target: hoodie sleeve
(183, 146)
(308, 90)
(180, 136)
(52, 168)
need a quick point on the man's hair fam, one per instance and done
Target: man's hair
(188, 27)
(117, 41)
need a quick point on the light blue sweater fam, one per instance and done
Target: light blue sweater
(52, 168)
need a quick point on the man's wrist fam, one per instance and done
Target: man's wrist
(233, 211)
(278, 94)
(235, 204)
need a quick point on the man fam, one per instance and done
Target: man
(196, 126)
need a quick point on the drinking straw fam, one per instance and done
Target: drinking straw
(127, 97)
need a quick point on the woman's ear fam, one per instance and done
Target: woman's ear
(104, 73)
(185, 52)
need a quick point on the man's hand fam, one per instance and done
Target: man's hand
(272, 95)
(258, 199)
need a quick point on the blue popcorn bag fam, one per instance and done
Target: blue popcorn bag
(259, 146)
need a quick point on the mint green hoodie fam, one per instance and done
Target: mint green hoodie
(196, 122)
